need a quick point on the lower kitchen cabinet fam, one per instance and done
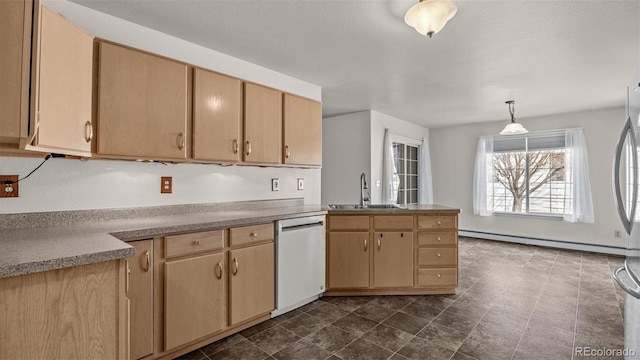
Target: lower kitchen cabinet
(194, 298)
(252, 282)
(349, 260)
(393, 259)
(140, 295)
(406, 253)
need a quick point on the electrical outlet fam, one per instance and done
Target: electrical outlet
(300, 184)
(7, 191)
(617, 234)
(166, 185)
(275, 184)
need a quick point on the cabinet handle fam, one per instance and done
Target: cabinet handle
(196, 243)
(439, 255)
(365, 244)
(235, 266)
(88, 131)
(219, 270)
(253, 234)
(235, 146)
(126, 278)
(438, 238)
(148, 265)
(181, 141)
(248, 148)
(379, 244)
(438, 275)
(287, 151)
(439, 222)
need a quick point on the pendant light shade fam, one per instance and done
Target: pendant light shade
(513, 127)
(430, 16)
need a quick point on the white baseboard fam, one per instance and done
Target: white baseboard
(545, 242)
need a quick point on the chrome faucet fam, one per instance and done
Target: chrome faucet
(363, 186)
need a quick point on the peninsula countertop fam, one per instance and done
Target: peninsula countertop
(36, 243)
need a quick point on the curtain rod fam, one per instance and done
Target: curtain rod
(530, 134)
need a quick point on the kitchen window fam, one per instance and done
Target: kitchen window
(538, 173)
(405, 175)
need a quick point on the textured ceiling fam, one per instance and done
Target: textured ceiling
(551, 56)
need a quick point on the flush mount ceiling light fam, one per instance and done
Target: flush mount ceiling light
(429, 16)
(513, 127)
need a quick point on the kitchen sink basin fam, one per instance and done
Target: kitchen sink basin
(361, 207)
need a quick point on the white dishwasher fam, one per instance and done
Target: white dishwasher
(300, 262)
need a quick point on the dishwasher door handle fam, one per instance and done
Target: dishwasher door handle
(302, 226)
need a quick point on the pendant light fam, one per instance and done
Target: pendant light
(513, 127)
(429, 16)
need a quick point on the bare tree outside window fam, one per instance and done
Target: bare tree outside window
(544, 168)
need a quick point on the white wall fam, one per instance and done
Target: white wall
(453, 152)
(352, 144)
(345, 155)
(380, 122)
(74, 185)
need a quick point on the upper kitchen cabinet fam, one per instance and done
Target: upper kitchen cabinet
(57, 63)
(217, 117)
(302, 131)
(15, 40)
(143, 105)
(62, 77)
(262, 124)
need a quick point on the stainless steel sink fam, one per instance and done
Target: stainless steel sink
(361, 207)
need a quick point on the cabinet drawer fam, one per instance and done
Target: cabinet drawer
(393, 222)
(437, 277)
(177, 245)
(437, 238)
(436, 222)
(437, 256)
(251, 234)
(349, 222)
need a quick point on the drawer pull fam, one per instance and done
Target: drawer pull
(253, 234)
(379, 244)
(219, 270)
(196, 243)
(439, 222)
(439, 255)
(365, 244)
(148, 258)
(438, 275)
(235, 266)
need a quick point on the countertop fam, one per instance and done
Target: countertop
(409, 209)
(30, 249)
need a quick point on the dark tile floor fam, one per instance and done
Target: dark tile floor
(513, 302)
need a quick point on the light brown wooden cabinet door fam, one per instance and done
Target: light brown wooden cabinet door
(252, 282)
(63, 81)
(141, 299)
(349, 259)
(217, 117)
(142, 105)
(194, 298)
(302, 131)
(262, 124)
(15, 42)
(393, 259)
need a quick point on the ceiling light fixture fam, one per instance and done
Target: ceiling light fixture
(430, 16)
(513, 127)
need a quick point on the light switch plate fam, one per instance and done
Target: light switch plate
(275, 184)
(300, 184)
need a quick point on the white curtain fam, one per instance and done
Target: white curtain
(481, 174)
(426, 187)
(389, 186)
(578, 185)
